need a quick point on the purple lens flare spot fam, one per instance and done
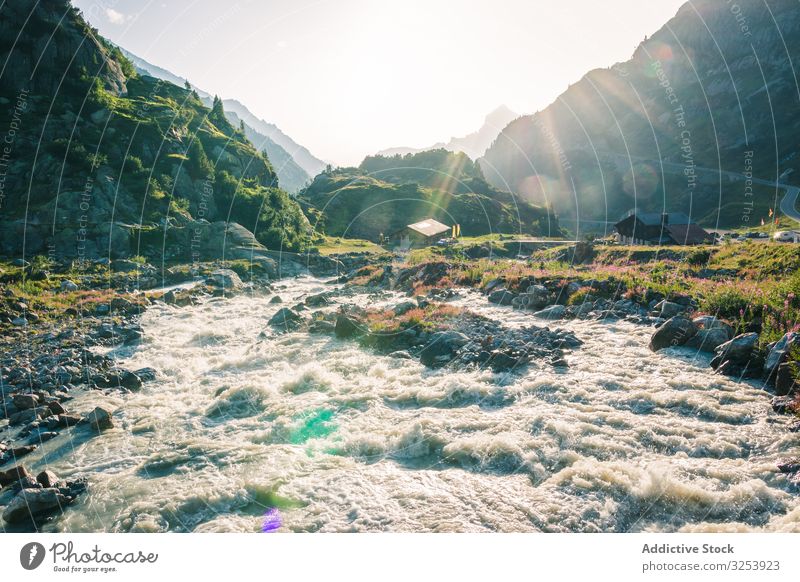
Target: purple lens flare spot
(272, 521)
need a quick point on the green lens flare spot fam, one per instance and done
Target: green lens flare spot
(312, 425)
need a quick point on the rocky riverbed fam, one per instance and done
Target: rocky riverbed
(223, 401)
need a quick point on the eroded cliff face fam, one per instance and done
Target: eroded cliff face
(715, 87)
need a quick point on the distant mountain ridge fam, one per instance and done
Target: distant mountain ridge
(474, 145)
(716, 88)
(294, 164)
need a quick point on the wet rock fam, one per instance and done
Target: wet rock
(552, 312)
(674, 332)
(785, 381)
(146, 374)
(276, 299)
(318, 300)
(286, 320)
(30, 504)
(442, 347)
(67, 420)
(400, 355)
(783, 404)
(321, 326)
(789, 465)
(225, 279)
(26, 401)
(738, 351)
(99, 419)
(14, 474)
(18, 452)
(501, 297)
(667, 309)
(47, 479)
(707, 340)
(779, 353)
(28, 416)
(711, 322)
(179, 297)
(535, 297)
(347, 326)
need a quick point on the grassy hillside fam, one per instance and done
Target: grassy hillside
(97, 145)
(386, 193)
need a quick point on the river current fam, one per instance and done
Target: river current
(245, 431)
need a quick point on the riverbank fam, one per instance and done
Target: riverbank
(63, 383)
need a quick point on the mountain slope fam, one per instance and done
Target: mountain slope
(474, 144)
(715, 88)
(305, 159)
(386, 193)
(291, 174)
(102, 157)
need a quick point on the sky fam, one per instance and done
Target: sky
(347, 78)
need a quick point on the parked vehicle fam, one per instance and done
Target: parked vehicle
(785, 236)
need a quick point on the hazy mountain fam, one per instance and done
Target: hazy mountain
(311, 164)
(474, 144)
(110, 162)
(294, 164)
(715, 88)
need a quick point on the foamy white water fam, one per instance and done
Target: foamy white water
(340, 439)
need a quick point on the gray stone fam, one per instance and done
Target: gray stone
(347, 326)
(501, 297)
(738, 350)
(26, 401)
(47, 478)
(32, 503)
(225, 279)
(552, 312)
(676, 331)
(98, 419)
(68, 286)
(707, 340)
(286, 319)
(777, 355)
(667, 309)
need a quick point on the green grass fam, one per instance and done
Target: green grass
(338, 246)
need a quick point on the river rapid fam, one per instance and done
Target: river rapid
(304, 433)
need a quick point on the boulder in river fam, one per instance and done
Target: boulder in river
(442, 347)
(14, 474)
(47, 478)
(552, 312)
(347, 326)
(501, 296)
(707, 340)
(32, 503)
(676, 331)
(286, 319)
(99, 419)
(225, 279)
(739, 350)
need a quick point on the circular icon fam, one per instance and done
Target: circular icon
(31, 555)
